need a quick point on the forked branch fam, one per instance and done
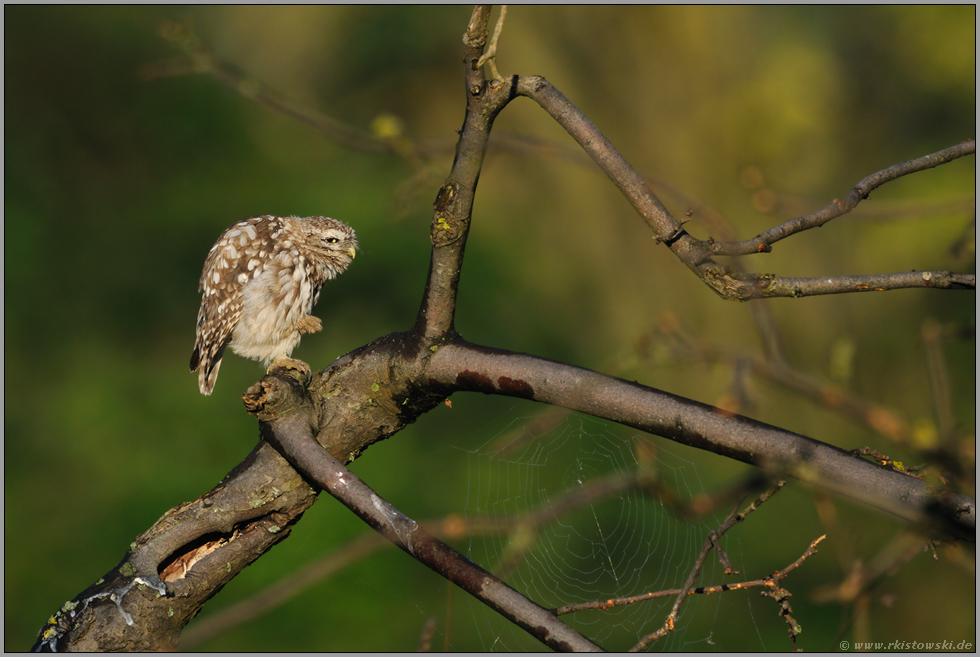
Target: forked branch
(287, 426)
(730, 282)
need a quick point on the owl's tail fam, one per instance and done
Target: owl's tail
(209, 365)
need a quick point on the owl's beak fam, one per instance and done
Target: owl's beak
(352, 252)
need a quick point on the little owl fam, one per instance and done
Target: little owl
(260, 282)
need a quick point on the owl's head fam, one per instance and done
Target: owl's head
(329, 241)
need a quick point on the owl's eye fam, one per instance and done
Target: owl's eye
(331, 240)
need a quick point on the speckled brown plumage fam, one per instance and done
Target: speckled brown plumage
(260, 282)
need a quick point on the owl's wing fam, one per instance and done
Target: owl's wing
(232, 261)
(221, 308)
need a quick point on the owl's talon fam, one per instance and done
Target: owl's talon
(291, 367)
(308, 324)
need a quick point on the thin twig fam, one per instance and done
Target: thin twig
(829, 395)
(730, 282)
(763, 242)
(886, 461)
(490, 56)
(932, 340)
(768, 285)
(670, 624)
(865, 574)
(601, 605)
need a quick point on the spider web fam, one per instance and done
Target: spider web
(577, 531)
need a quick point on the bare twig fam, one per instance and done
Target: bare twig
(601, 605)
(732, 283)
(888, 462)
(863, 576)
(763, 242)
(768, 285)
(932, 339)
(711, 542)
(829, 395)
(490, 56)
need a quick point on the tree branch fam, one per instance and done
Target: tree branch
(451, 224)
(463, 366)
(454, 203)
(732, 283)
(292, 434)
(456, 526)
(762, 286)
(696, 590)
(711, 542)
(490, 56)
(763, 242)
(603, 153)
(193, 550)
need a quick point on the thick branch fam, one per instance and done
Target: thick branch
(193, 550)
(463, 366)
(293, 435)
(198, 547)
(454, 203)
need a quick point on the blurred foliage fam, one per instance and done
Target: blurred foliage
(116, 187)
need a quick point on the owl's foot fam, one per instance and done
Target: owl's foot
(291, 367)
(308, 324)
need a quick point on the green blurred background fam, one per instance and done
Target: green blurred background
(116, 187)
